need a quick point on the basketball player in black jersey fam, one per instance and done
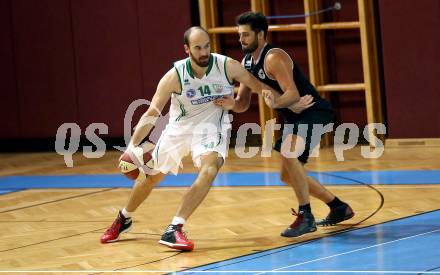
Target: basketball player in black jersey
(275, 68)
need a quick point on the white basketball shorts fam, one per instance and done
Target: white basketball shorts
(171, 149)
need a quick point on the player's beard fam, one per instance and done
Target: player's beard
(250, 48)
(199, 62)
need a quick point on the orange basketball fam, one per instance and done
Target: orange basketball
(132, 159)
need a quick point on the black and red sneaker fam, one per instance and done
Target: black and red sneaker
(337, 215)
(119, 226)
(304, 223)
(176, 239)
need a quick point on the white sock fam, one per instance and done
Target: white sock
(178, 220)
(125, 213)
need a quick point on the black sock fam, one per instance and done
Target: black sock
(335, 203)
(305, 208)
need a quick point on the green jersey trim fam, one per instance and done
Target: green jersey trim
(180, 79)
(210, 63)
(188, 68)
(182, 110)
(226, 73)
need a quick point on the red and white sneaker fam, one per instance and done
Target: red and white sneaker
(304, 223)
(176, 239)
(119, 226)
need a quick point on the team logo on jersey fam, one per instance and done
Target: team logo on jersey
(190, 93)
(248, 64)
(218, 88)
(261, 74)
(205, 99)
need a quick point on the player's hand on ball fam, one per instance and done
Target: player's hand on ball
(133, 160)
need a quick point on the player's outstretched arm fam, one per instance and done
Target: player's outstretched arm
(242, 101)
(238, 73)
(167, 85)
(248, 83)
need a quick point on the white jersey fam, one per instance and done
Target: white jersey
(193, 108)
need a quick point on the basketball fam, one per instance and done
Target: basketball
(133, 158)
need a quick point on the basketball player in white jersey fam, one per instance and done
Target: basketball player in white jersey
(196, 126)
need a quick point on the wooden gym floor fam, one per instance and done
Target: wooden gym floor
(50, 224)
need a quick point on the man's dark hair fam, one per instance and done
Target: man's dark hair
(189, 31)
(256, 20)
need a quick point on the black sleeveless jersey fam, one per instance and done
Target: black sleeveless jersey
(302, 83)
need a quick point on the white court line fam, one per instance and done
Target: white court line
(352, 251)
(225, 271)
(408, 186)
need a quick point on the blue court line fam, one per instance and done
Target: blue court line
(223, 179)
(400, 245)
(7, 191)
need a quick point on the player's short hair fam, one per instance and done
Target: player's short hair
(189, 31)
(256, 20)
